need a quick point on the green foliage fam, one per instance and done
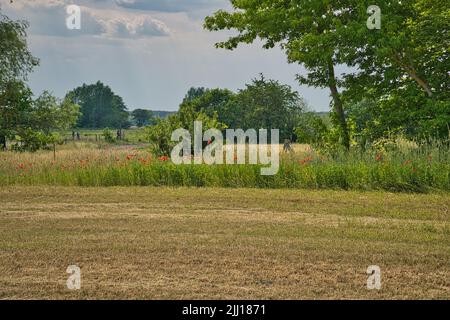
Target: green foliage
(401, 70)
(211, 102)
(108, 135)
(16, 61)
(143, 117)
(263, 104)
(160, 135)
(100, 107)
(270, 105)
(28, 122)
(306, 30)
(311, 130)
(193, 94)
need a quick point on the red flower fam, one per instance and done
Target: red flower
(163, 158)
(379, 157)
(406, 163)
(307, 160)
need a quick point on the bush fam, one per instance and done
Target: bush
(109, 137)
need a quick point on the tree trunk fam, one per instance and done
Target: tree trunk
(411, 71)
(422, 83)
(338, 106)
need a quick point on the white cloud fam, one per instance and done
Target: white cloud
(47, 17)
(155, 68)
(170, 5)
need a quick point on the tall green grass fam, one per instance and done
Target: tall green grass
(417, 169)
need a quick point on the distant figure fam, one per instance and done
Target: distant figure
(119, 135)
(3, 142)
(287, 146)
(73, 135)
(78, 136)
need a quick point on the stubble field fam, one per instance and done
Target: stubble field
(198, 243)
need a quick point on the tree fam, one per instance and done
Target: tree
(16, 62)
(50, 114)
(267, 104)
(304, 29)
(211, 102)
(401, 80)
(27, 121)
(160, 134)
(16, 104)
(193, 94)
(100, 107)
(143, 117)
(262, 104)
(32, 123)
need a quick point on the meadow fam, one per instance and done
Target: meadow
(91, 164)
(140, 227)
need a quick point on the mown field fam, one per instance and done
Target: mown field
(190, 243)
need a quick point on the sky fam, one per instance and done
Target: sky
(150, 52)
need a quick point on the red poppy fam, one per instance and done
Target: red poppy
(306, 160)
(407, 162)
(163, 158)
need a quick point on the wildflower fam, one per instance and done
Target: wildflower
(307, 160)
(379, 157)
(407, 163)
(163, 158)
(21, 166)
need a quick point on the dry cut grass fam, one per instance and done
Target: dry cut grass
(161, 243)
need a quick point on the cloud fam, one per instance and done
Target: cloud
(48, 17)
(141, 26)
(171, 5)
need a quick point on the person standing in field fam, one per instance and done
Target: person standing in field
(3, 142)
(287, 146)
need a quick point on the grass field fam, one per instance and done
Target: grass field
(89, 164)
(182, 243)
